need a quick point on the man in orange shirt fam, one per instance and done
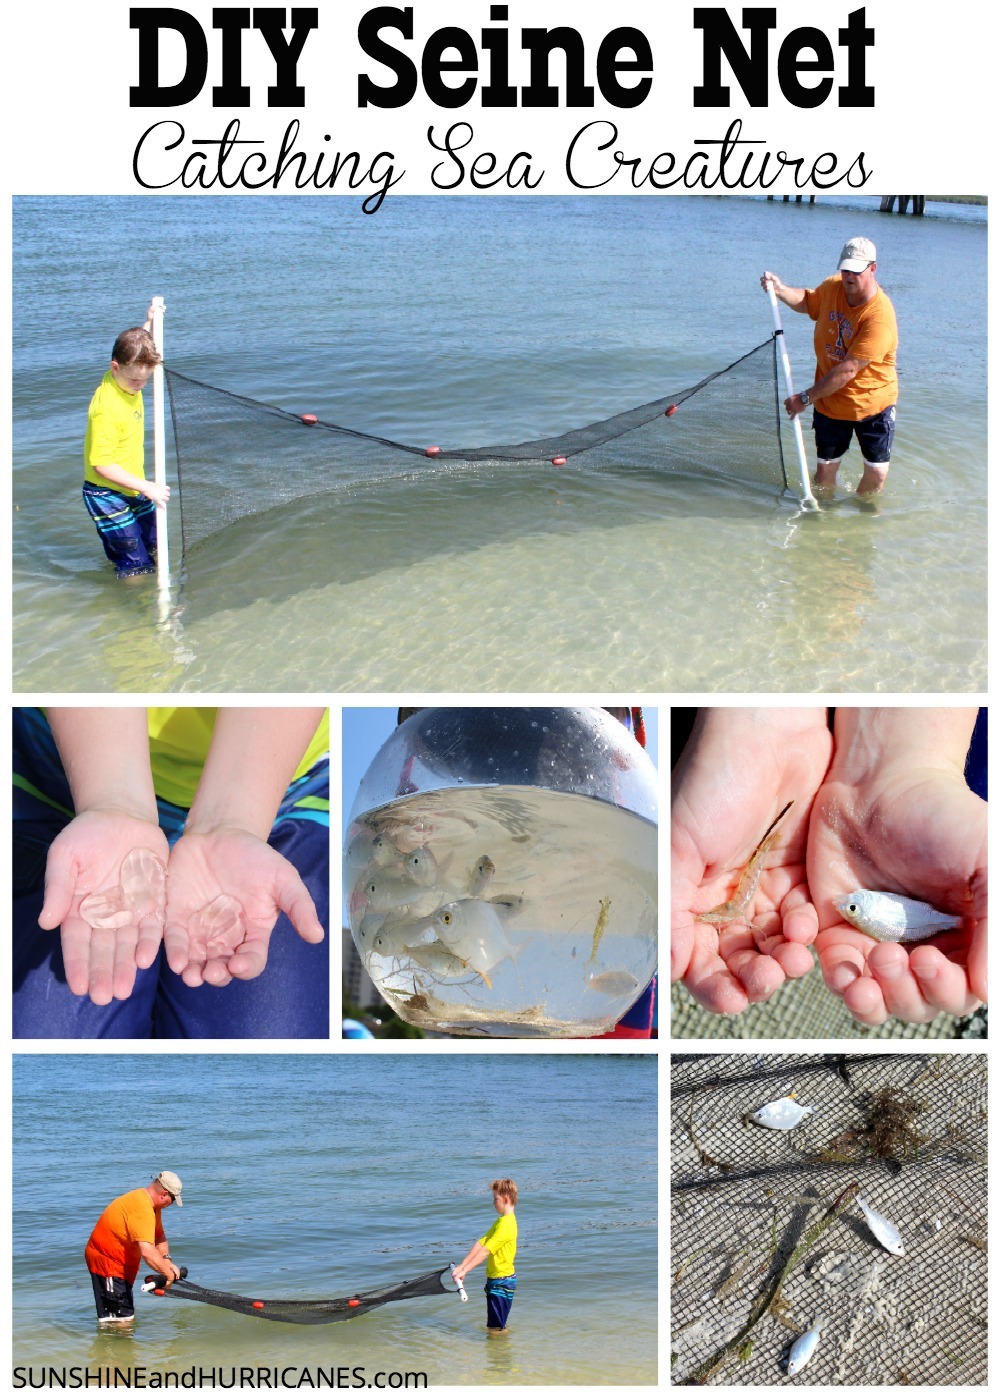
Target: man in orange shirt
(130, 1230)
(855, 390)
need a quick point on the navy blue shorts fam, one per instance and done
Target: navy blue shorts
(289, 1000)
(126, 527)
(112, 1297)
(833, 436)
(499, 1300)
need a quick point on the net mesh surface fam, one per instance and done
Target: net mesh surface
(767, 1239)
(805, 1009)
(306, 1312)
(237, 457)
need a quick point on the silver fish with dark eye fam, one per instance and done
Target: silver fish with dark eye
(803, 1347)
(893, 918)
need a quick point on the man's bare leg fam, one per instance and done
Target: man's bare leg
(826, 475)
(873, 478)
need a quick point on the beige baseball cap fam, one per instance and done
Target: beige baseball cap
(856, 254)
(171, 1182)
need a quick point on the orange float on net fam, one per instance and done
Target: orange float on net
(309, 418)
(354, 1302)
(432, 452)
(670, 410)
(558, 461)
(258, 1305)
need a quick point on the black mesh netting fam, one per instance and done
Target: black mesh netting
(309, 1312)
(237, 457)
(768, 1240)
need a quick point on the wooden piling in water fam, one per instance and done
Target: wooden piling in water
(889, 200)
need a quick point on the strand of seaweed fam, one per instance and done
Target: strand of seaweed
(772, 1289)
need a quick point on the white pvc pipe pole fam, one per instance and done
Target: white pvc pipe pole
(807, 499)
(160, 457)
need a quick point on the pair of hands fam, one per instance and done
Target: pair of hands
(102, 963)
(897, 819)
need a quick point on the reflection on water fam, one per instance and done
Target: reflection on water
(563, 580)
(306, 1176)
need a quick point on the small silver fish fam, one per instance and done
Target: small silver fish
(616, 982)
(892, 918)
(391, 937)
(436, 958)
(420, 865)
(384, 849)
(368, 927)
(482, 877)
(473, 930)
(781, 1115)
(803, 1347)
(368, 848)
(883, 1230)
(387, 891)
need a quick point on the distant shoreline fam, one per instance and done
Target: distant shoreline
(959, 198)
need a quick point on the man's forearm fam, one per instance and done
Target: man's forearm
(834, 379)
(155, 1257)
(793, 297)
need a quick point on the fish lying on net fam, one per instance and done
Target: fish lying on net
(305, 1312)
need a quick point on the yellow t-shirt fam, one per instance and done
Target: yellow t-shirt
(116, 431)
(862, 332)
(113, 1248)
(179, 737)
(501, 1241)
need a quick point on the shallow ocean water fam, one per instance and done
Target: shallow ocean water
(310, 1176)
(491, 320)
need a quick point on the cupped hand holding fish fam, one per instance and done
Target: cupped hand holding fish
(225, 891)
(742, 918)
(895, 814)
(85, 868)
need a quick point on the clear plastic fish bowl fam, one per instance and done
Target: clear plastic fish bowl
(500, 871)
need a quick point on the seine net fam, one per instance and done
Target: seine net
(767, 1238)
(311, 1312)
(237, 457)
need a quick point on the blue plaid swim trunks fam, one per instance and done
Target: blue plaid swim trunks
(126, 527)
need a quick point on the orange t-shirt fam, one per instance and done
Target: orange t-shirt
(113, 1248)
(866, 333)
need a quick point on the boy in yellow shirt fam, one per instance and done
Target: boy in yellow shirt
(498, 1246)
(121, 502)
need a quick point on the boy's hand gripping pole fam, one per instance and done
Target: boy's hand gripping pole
(461, 1286)
(806, 498)
(160, 457)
